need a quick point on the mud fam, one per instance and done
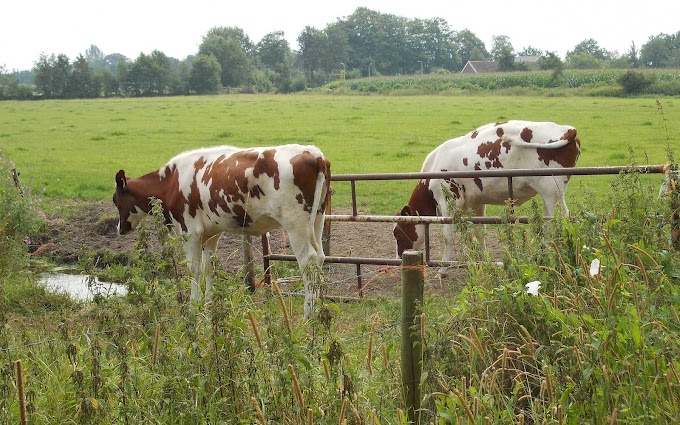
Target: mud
(92, 233)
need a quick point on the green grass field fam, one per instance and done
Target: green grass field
(72, 149)
(593, 347)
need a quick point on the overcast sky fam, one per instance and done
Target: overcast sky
(31, 27)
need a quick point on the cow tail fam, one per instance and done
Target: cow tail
(320, 183)
(516, 141)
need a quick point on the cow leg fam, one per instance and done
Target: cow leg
(209, 248)
(192, 248)
(448, 229)
(448, 232)
(301, 242)
(480, 211)
(552, 191)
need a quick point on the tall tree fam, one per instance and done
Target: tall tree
(313, 45)
(470, 47)
(205, 74)
(377, 40)
(81, 81)
(662, 50)
(591, 47)
(95, 57)
(431, 44)
(234, 52)
(503, 53)
(149, 75)
(273, 50)
(51, 75)
(276, 58)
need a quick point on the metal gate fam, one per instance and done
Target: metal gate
(355, 217)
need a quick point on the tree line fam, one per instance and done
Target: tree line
(366, 43)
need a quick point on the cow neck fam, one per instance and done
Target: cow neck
(422, 200)
(149, 186)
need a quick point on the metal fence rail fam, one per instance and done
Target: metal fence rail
(509, 174)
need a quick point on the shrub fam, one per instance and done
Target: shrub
(634, 82)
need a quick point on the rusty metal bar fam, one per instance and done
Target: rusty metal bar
(368, 261)
(424, 219)
(360, 284)
(354, 196)
(265, 259)
(427, 241)
(517, 172)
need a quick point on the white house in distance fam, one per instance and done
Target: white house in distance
(480, 67)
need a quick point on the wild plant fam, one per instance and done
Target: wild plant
(574, 352)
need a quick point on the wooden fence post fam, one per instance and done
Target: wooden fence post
(413, 280)
(20, 390)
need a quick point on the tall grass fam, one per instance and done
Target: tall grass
(592, 347)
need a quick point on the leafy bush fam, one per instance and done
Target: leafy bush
(634, 82)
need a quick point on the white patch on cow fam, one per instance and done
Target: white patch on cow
(136, 216)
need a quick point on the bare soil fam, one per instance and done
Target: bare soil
(93, 232)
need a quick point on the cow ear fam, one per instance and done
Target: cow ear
(121, 180)
(406, 211)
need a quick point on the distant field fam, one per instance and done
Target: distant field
(72, 149)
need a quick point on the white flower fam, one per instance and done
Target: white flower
(595, 267)
(532, 287)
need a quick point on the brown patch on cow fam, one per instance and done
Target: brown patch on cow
(477, 180)
(256, 192)
(305, 171)
(491, 151)
(194, 200)
(228, 174)
(526, 134)
(474, 134)
(422, 200)
(172, 198)
(266, 164)
(465, 162)
(325, 164)
(567, 155)
(456, 188)
(500, 132)
(241, 216)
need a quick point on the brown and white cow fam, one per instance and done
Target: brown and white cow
(507, 145)
(207, 192)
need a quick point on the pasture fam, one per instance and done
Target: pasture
(72, 149)
(591, 348)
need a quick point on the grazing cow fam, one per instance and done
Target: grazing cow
(207, 192)
(508, 145)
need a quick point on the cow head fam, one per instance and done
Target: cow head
(408, 235)
(130, 214)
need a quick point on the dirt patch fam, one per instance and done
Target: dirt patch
(93, 231)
